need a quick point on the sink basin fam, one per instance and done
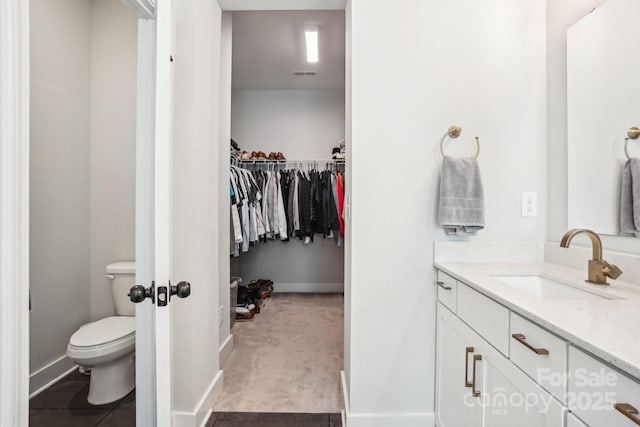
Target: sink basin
(545, 287)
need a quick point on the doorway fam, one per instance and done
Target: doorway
(287, 122)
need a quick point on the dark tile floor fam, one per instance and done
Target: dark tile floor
(65, 405)
(256, 419)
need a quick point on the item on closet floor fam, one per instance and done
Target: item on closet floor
(262, 286)
(233, 299)
(245, 313)
(630, 198)
(461, 197)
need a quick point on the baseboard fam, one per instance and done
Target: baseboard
(202, 412)
(309, 287)
(349, 419)
(225, 350)
(50, 374)
(345, 397)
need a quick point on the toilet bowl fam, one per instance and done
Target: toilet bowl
(106, 347)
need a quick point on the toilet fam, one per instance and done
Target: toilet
(107, 346)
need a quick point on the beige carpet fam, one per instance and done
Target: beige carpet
(288, 358)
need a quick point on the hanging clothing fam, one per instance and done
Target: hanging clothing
(284, 205)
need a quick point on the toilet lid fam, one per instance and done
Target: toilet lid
(104, 331)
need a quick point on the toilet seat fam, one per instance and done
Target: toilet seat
(106, 335)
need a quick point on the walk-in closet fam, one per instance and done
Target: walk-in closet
(285, 208)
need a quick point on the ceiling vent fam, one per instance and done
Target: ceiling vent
(304, 73)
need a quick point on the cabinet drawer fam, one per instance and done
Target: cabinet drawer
(540, 354)
(599, 394)
(573, 421)
(485, 316)
(447, 287)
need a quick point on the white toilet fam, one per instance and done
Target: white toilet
(107, 346)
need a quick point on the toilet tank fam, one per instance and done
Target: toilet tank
(123, 277)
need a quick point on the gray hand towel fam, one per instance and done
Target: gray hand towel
(461, 197)
(630, 198)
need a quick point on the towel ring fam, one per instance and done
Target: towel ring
(632, 133)
(454, 132)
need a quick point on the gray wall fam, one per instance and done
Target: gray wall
(83, 63)
(303, 124)
(59, 197)
(112, 154)
(562, 14)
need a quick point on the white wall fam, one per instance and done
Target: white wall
(561, 15)
(59, 197)
(113, 138)
(417, 68)
(302, 124)
(196, 194)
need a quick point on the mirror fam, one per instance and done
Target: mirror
(603, 102)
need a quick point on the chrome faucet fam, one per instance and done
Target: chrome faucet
(599, 269)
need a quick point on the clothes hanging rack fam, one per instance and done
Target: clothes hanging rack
(307, 164)
(454, 132)
(632, 133)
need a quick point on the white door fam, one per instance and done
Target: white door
(155, 292)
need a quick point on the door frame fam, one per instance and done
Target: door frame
(14, 212)
(144, 208)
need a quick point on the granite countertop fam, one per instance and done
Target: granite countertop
(607, 328)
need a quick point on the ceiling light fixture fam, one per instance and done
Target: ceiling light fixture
(311, 37)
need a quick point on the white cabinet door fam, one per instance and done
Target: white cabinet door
(455, 406)
(510, 398)
(573, 421)
(505, 396)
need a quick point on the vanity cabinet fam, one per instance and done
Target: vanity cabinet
(540, 354)
(454, 362)
(476, 385)
(447, 290)
(573, 421)
(600, 395)
(495, 368)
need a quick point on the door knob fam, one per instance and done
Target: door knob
(139, 293)
(181, 290)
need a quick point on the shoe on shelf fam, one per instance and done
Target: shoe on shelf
(272, 156)
(254, 155)
(262, 156)
(280, 156)
(245, 156)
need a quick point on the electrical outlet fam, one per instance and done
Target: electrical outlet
(529, 204)
(221, 318)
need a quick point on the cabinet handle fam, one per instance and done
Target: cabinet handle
(468, 351)
(628, 411)
(522, 340)
(442, 285)
(474, 392)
